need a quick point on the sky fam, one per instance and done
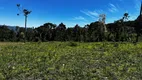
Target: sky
(69, 12)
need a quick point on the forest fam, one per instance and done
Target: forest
(122, 30)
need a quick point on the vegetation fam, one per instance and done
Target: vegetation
(121, 30)
(62, 61)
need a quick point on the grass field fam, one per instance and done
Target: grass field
(70, 61)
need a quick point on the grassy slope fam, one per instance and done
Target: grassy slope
(61, 61)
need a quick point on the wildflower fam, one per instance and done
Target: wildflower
(13, 67)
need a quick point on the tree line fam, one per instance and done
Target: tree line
(121, 30)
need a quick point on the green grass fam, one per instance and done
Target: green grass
(10, 43)
(70, 61)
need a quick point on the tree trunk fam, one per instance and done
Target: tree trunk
(25, 28)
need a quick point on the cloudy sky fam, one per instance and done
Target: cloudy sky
(70, 12)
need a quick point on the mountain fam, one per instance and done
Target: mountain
(10, 27)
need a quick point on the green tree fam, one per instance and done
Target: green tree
(126, 16)
(61, 32)
(6, 34)
(45, 32)
(77, 33)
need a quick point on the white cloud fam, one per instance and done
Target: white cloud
(79, 18)
(135, 14)
(137, 4)
(88, 14)
(93, 14)
(112, 8)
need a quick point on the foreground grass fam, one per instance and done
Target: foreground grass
(10, 43)
(70, 61)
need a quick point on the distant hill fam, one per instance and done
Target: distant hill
(10, 27)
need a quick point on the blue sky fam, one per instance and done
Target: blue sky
(70, 12)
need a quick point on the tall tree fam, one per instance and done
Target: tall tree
(126, 16)
(61, 32)
(103, 28)
(77, 33)
(26, 12)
